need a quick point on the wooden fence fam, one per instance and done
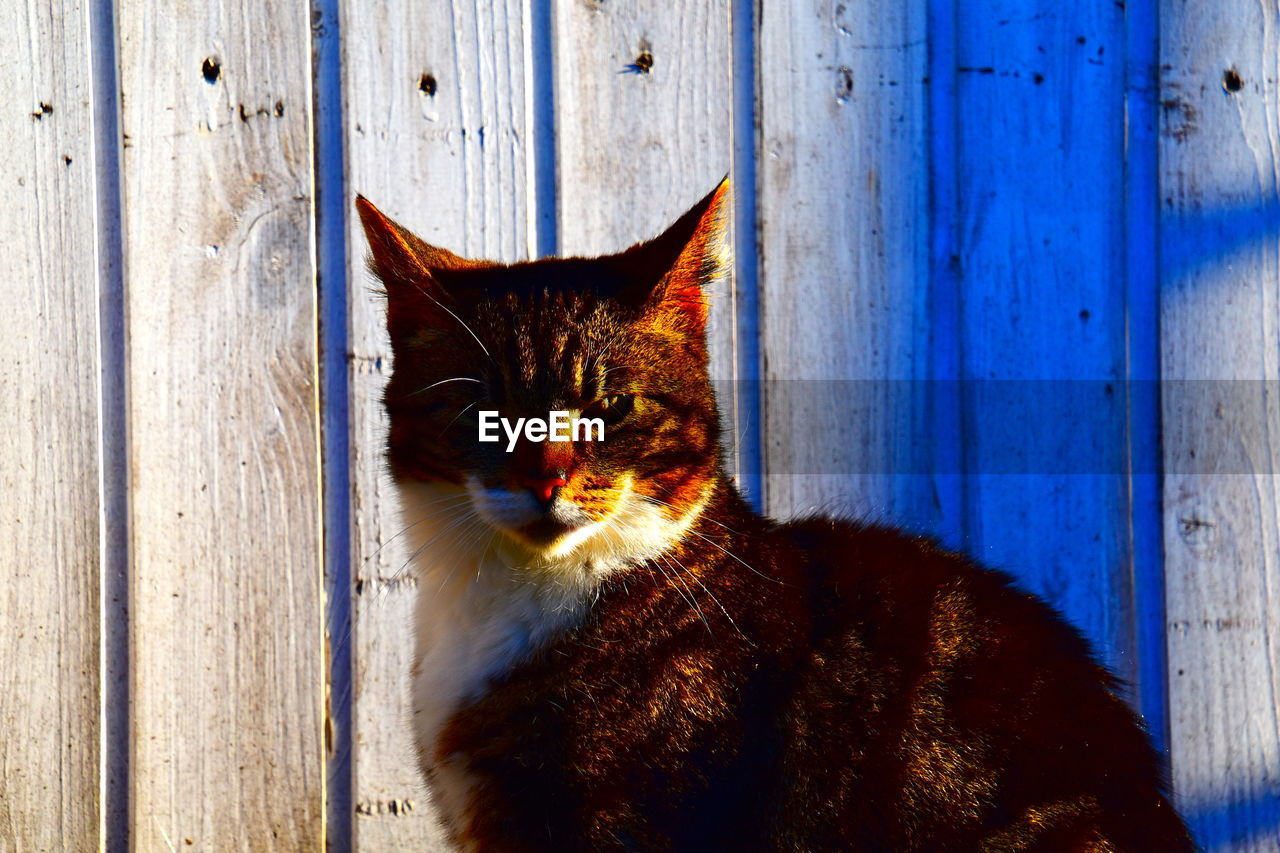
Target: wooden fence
(1008, 272)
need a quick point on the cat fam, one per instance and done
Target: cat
(614, 651)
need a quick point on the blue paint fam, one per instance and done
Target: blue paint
(332, 204)
(1041, 265)
(1043, 232)
(1243, 821)
(942, 300)
(546, 239)
(113, 426)
(1142, 240)
(1210, 238)
(746, 254)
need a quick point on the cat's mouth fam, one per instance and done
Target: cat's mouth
(545, 532)
(551, 530)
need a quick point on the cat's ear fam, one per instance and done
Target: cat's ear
(673, 270)
(410, 269)
(396, 253)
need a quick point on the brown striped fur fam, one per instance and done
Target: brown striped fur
(741, 684)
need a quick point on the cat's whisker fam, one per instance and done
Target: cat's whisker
(674, 578)
(712, 596)
(693, 530)
(678, 510)
(751, 568)
(462, 531)
(468, 407)
(459, 516)
(667, 555)
(446, 547)
(678, 591)
(462, 322)
(382, 586)
(459, 552)
(443, 550)
(458, 498)
(444, 381)
(451, 512)
(603, 351)
(688, 593)
(473, 540)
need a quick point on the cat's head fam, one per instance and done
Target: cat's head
(618, 340)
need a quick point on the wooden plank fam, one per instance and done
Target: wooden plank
(643, 109)
(331, 207)
(643, 118)
(844, 230)
(1142, 246)
(49, 463)
(1042, 322)
(438, 136)
(228, 662)
(1220, 320)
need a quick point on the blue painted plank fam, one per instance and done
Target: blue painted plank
(1041, 263)
(331, 208)
(1142, 194)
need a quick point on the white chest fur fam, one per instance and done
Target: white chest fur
(484, 607)
(475, 619)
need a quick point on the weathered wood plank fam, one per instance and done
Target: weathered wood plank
(643, 117)
(643, 107)
(844, 259)
(1220, 320)
(438, 135)
(228, 661)
(1041, 260)
(49, 464)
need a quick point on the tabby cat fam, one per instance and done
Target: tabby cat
(615, 652)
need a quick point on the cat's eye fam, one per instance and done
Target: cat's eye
(611, 409)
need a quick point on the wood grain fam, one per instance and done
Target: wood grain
(228, 661)
(844, 257)
(934, 205)
(438, 136)
(49, 463)
(1220, 320)
(643, 117)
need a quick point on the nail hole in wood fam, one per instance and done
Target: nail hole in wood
(844, 85)
(211, 70)
(1232, 81)
(643, 63)
(427, 85)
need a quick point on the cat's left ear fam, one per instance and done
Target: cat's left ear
(410, 269)
(673, 270)
(397, 255)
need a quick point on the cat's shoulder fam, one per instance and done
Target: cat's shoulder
(859, 552)
(888, 580)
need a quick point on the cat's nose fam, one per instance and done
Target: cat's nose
(544, 488)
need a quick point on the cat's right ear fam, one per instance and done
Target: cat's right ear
(408, 268)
